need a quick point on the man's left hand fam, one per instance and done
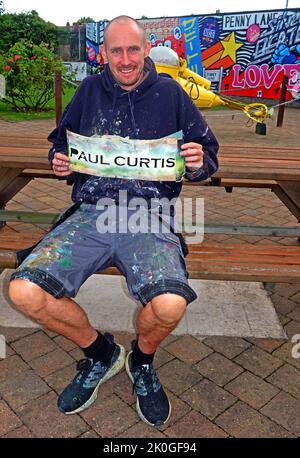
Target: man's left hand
(193, 154)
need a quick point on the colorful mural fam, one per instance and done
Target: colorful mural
(94, 37)
(247, 54)
(242, 54)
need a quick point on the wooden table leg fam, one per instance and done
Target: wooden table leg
(10, 184)
(289, 193)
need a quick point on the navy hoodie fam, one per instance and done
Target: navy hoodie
(156, 108)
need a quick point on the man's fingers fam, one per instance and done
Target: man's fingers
(62, 174)
(193, 158)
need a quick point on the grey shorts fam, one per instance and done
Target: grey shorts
(152, 263)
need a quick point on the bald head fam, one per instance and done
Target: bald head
(123, 21)
(125, 48)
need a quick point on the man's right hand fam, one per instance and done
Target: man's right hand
(61, 165)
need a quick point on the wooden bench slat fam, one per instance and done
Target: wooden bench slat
(205, 261)
(244, 248)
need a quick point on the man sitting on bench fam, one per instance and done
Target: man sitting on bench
(127, 99)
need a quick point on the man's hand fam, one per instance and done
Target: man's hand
(193, 154)
(61, 165)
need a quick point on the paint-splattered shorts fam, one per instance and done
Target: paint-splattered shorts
(152, 263)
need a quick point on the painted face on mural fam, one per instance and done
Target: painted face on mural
(125, 51)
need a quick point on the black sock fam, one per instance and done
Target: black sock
(139, 358)
(101, 349)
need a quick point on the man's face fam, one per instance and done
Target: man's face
(125, 51)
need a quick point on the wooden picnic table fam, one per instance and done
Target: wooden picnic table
(22, 159)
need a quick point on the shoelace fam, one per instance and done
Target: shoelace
(149, 378)
(83, 365)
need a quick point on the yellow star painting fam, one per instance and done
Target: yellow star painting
(230, 46)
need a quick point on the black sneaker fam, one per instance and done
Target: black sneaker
(83, 389)
(152, 403)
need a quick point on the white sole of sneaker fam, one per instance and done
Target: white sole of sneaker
(118, 366)
(140, 414)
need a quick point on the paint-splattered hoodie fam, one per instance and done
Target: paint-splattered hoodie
(156, 108)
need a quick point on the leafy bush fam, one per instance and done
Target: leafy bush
(29, 71)
(25, 26)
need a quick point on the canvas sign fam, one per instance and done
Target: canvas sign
(117, 157)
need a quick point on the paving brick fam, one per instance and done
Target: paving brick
(208, 398)
(35, 345)
(124, 338)
(218, 369)
(25, 387)
(169, 339)
(110, 418)
(11, 334)
(9, 351)
(284, 410)
(284, 319)
(179, 409)
(18, 433)
(188, 349)
(64, 343)
(58, 380)
(292, 328)
(77, 354)
(287, 289)
(258, 361)
(43, 418)
(282, 304)
(285, 353)
(295, 314)
(178, 376)
(11, 367)
(296, 297)
(252, 390)
(268, 345)
(194, 425)
(91, 434)
(9, 420)
(121, 385)
(227, 346)
(51, 362)
(287, 377)
(161, 357)
(141, 430)
(241, 420)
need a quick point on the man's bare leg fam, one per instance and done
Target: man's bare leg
(158, 319)
(104, 358)
(154, 323)
(63, 316)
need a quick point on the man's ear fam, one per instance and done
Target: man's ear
(147, 49)
(103, 53)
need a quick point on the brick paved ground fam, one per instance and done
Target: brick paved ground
(219, 386)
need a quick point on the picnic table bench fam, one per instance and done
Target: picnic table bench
(23, 159)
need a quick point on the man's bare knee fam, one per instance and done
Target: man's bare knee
(168, 308)
(27, 296)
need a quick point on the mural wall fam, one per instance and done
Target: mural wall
(243, 54)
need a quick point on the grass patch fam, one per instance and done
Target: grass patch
(7, 114)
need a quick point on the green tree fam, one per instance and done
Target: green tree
(29, 26)
(29, 71)
(85, 20)
(2, 7)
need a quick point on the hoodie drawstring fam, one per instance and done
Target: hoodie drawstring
(131, 106)
(115, 95)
